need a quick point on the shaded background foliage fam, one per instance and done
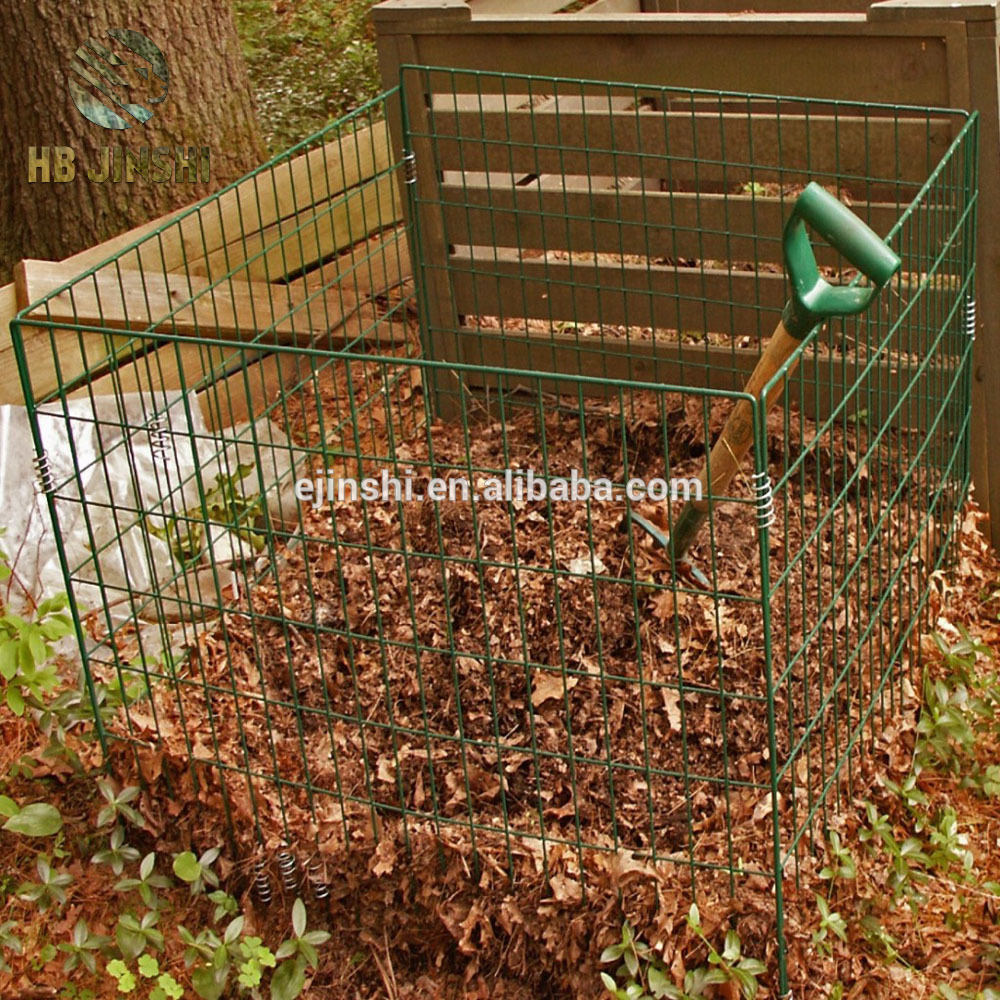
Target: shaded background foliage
(310, 61)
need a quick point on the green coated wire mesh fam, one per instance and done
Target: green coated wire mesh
(595, 270)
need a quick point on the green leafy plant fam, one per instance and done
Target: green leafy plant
(210, 957)
(947, 993)
(960, 657)
(298, 952)
(197, 872)
(49, 890)
(303, 943)
(731, 963)
(908, 861)
(147, 882)
(283, 47)
(39, 819)
(9, 942)
(879, 830)
(642, 976)
(841, 864)
(913, 797)
(256, 957)
(638, 962)
(947, 845)
(166, 988)
(117, 854)
(149, 967)
(830, 923)
(225, 905)
(134, 936)
(876, 935)
(118, 970)
(73, 710)
(118, 805)
(906, 858)
(26, 673)
(81, 948)
(990, 781)
(945, 735)
(224, 504)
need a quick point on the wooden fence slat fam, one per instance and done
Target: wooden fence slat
(515, 7)
(819, 385)
(264, 199)
(369, 269)
(301, 240)
(54, 355)
(693, 147)
(234, 384)
(64, 357)
(686, 299)
(648, 223)
(136, 300)
(611, 7)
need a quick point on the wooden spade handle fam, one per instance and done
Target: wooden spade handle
(812, 301)
(734, 442)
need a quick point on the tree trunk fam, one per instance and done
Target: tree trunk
(208, 103)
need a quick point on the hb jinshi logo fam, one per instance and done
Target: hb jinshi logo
(113, 90)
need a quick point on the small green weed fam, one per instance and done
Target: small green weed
(831, 922)
(642, 976)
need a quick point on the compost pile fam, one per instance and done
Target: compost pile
(416, 662)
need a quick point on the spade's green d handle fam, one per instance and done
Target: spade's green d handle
(813, 299)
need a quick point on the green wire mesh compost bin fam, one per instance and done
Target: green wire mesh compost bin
(595, 268)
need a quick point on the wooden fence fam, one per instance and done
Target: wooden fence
(917, 52)
(264, 255)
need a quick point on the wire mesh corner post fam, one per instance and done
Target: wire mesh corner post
(596, 267)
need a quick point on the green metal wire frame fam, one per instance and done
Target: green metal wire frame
(596, 267)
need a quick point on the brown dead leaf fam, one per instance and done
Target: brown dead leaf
(550, 686)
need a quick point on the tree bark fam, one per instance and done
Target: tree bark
(208, 103)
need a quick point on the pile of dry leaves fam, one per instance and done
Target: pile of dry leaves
(425, 699)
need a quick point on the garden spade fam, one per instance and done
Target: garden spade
(813, 301)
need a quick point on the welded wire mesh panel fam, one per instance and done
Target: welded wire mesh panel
(273, 603)
(866, 501)
(632, 231)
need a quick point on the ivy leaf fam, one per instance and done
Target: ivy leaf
(36, 820)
